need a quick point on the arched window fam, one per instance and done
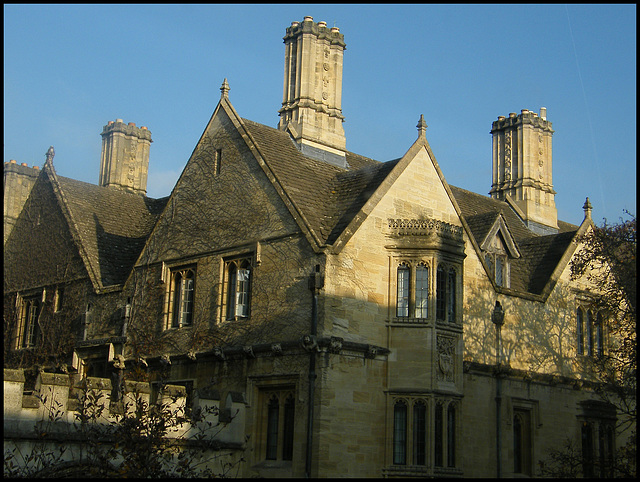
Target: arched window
(599, 335)
(589, 333)
(422, 291)
(29, 322)
(451, 435)
(402, 304)
(273, 412)
(400, 433)
(517, 443)
(183, 284)
(587, 449)
(500, 270)
(289, 415)
(419, 433)
(438, 433)
(609, 447)
(441, 294)
(580, 330)
(451, 295)
(238, 288)
(277, 423)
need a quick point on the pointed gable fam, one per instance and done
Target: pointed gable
(41, 250)
(499, 233)
(540, 256)
(112, 227)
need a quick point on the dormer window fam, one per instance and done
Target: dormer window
(498, 267)
(499, 248)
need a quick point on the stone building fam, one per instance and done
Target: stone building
(372, 319)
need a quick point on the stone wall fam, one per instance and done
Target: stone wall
(47, 416)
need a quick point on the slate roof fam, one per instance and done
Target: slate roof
(539, 255)
(113, 226)
(329, 197)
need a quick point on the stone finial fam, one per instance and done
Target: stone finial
(422, 127)
(225, 89)
(50, 154)
(587, 208)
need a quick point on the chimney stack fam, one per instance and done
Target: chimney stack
(522, 167)
(124, 162)
(312, 99)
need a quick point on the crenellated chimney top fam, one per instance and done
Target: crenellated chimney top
(522, 164)
(312, 96)
(124, 162)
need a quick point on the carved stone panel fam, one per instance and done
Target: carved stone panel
(446, 355)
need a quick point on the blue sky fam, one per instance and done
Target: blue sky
(69, 69)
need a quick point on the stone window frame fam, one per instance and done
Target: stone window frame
(498, 249)
(430, 401)
(432, 261)
(261, 390)
(409, 449)
(590, 329)
(30, 307)
(448, 299)
(243, 261)
(445, 448)
(172, 320)
(530, 409)
(522, 441)
(596, 432)
(499, 267)
(412, 265)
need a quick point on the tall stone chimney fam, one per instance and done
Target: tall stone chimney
(312, 99)
(124, 163)
(522, 167)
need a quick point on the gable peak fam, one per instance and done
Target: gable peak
(587, 209)
(225, 89)
(422, 127)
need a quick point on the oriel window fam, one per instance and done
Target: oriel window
(402, 306)
(419, 433)
(422, 291)
(400, 433)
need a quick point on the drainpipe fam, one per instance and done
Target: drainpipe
(497, 317)
(316, 282)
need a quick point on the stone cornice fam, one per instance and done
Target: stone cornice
(424, 227)
(528, 118)
(332, 35)
(127, 129)
(308, 343)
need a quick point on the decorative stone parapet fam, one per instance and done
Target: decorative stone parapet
(423, 227)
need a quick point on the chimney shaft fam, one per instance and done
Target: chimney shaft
(312, 96)
(124, 163)
(522, 164)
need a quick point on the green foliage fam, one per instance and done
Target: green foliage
(607, 260)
